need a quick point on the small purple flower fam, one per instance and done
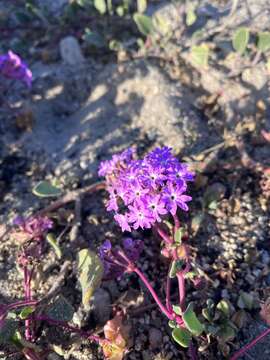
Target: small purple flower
(140, 216)
(156, 205)
(11, 66)
(33, 227)
(114, 265)
(174, 197)
(123, 222)
(112, 204)
(133, 248)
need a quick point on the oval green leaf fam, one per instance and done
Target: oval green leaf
(141, 6)
(45, 189)
(191, 321)
(90, 272)
(144, 23)
(182, 336)
(240, 40)
(100, 5)
(224, 307)
(200, 55)
(191, 16)
(263, 41)
(25, 312)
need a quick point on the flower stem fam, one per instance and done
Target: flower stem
(66, 326)
(23, 303)
(182, 289)
(242, 351)
(28, 297)
(166, 312)
(176, 222)
(163, 235)
(168, 293)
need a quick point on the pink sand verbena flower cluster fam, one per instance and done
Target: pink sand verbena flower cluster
(143, 191)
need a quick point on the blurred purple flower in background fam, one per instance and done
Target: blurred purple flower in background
(143, 191)
(12, 67)
(33, 227)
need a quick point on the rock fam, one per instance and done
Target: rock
(101, 306)
(155, 338)
(71, 52)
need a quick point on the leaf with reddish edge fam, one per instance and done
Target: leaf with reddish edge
(117, 335)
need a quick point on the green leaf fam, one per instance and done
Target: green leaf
(110, 6)
(7, 330)
(240, 40)
(224, 307)
(191, 321)
(25, 312)
(175, 266)
(141, 6)
(182, 336)
(177, 309)
(90, 271)
(144, 23)
(60, 310)
(200, 55)
(173, 269)
(45, 189)
(53, 242)
(178, 235)
(100, 5)
(263, 41)
(120, 10)
(191, 16)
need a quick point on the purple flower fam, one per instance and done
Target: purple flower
(11, 66)
(133, 248)
(140, 216)
(122, 221)
(174, 197)
(143, 192)
(33, 227)
(114, 264)
(156, 205)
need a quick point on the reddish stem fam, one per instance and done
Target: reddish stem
(166, 312)
(164, 236)
(182, 289)
(22, 304)
(74, 329)
(28, 297)
(176, 222)
(242, 351)
(168, 294)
